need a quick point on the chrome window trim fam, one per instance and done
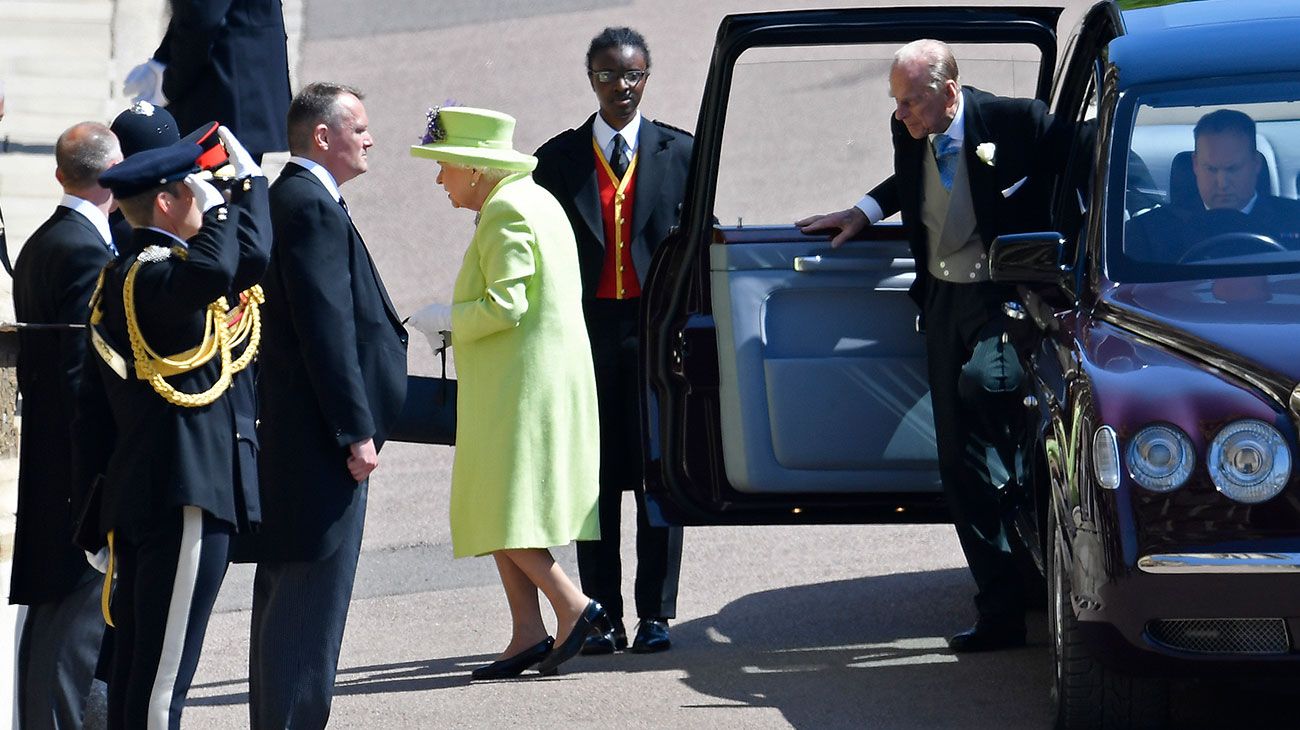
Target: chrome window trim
(1241, 563)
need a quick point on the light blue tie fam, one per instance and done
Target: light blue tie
(945, 156)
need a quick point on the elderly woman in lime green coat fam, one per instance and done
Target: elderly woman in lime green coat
(525, 472)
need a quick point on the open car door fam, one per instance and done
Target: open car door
(783, 380)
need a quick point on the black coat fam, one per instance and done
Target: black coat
(53, 280)
(1166, 233)
(333, 368)
(227, 62)
(163, 455)
(566, 166)
(1027, 145)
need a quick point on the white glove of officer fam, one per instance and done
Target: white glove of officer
(99, 560)
(245, 165)
(431, 321)
(144, 83)
(207, 196)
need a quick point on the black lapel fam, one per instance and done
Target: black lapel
(652, 153)
(983, 183)
(84, 222)
(580, 178)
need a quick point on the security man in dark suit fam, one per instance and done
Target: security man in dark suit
(163, 343)
(53, 279)
(968, 167)
(620, 178)
(332, 382)
(224, 60)
(1227, 168)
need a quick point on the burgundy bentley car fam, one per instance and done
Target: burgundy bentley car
(785, 381)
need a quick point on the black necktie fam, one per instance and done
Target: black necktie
(344, 203)
(619, 164)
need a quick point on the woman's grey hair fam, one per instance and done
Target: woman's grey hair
(937, 57)
(490, 176)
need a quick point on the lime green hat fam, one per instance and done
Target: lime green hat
(473, 137)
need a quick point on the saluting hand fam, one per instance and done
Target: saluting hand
(850, 222)
(362, 459)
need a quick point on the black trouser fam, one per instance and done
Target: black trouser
(167, 583)
(57, 654)
(612, 327)
(976, 387)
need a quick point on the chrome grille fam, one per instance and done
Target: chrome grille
(1222, 635)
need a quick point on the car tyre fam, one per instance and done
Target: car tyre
(1085, 694)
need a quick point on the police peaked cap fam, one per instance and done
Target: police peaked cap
(145, 127)
(146, 170)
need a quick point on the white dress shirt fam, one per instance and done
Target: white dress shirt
(92, 214)
(604, 136)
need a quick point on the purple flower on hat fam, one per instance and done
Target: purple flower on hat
(433, 132)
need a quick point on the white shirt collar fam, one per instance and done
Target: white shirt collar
(92, 214)
(956, 130)
(604, 134)
(321, 174)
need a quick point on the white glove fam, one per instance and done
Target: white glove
(144, 83)
(99, 560)
(432, 320)
(245, 165)
(207, 196)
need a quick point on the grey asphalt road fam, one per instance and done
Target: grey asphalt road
(809, 627)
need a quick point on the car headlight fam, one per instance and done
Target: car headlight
(1249, 461)
(1160, 458)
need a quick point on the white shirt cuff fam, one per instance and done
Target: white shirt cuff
(871, 209)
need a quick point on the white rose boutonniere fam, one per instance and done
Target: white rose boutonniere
(985, 152)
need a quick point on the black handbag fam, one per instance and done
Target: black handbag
(429, 411)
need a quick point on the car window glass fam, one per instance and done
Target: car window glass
(1217, 208)
(807, 127)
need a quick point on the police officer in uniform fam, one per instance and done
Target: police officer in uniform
(166, 341)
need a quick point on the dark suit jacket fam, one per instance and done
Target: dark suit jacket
(227, 62)
(566, 166)
(165, 456)
(333, 368)
(1166, 233)
(1028, 145)
(53, 280)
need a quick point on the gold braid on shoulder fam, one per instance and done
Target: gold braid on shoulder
(151, 366)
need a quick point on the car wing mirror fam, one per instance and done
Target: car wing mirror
(1033, 260)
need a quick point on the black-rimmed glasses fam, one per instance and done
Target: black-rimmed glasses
(632, 77)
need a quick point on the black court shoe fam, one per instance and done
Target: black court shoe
(591, 617)
(513, 666)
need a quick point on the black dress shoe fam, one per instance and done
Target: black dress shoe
(606, 642)
(651, 636)
(513, 666)
(592, 616)
(988, 636)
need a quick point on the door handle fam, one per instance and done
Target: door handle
(845, 263)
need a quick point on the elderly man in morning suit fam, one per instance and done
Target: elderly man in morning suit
(620, 178)
(332, 382)
(54, 277)
(968, 166)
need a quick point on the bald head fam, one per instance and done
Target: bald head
(82, 153)
(923, 82)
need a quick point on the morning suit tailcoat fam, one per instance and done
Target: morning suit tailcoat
(53, 280)
(165, 456)
(1025, 145)
(974, 374)
(227, 62)
(333, 368)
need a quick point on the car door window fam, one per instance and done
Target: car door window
(807, 127)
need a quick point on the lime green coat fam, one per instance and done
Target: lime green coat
(526, 468)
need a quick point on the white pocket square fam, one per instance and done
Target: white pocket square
(1012, 190)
